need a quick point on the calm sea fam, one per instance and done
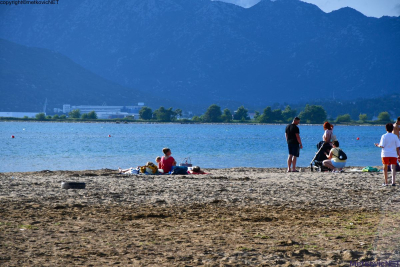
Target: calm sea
(81, 146)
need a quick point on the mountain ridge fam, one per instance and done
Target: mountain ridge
(220, 52)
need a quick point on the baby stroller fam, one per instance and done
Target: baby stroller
(319, 157)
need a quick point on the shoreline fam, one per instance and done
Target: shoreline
(98, 172)
(177, 122)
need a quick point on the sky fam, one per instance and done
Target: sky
(370, 8)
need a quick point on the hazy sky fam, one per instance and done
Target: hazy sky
(371, 8)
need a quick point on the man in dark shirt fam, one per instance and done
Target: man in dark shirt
(294, 144)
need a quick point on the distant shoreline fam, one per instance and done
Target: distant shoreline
(177, 122)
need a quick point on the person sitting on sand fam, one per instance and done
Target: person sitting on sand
(158, 162)
(333, 162)
(167, 161)
(390, 145)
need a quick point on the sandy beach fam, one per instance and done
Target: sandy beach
(230, 217)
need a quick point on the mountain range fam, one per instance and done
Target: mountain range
(202, 52)
(29, 76)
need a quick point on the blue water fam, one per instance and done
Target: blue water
(81, 146)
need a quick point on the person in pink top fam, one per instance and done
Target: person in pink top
(167, 161)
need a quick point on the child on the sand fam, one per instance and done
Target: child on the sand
(167, 161)
(158, 162)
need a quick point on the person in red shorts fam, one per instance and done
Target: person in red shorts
(167, 161)
(390, 152)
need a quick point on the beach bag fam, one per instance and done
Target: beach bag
(179, 170)
(187, 162)
(342, 155)
(142, 169)
(149, 169)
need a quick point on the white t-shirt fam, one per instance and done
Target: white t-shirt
(390, 143)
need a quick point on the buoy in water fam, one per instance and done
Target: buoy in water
(12, 136)
(358, 138)
(109, 135)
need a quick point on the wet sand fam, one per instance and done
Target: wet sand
(231, 217)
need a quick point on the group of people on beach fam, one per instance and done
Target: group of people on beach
(164, 165)
(389, 143)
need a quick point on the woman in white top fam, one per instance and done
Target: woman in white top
(390, 152)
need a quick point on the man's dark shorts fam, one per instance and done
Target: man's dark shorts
(294, 150)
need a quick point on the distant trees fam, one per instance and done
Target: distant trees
(40, 116)
(145, 113)
(288, 114)
(277, 115)
(384, 117)
(89, 116)
(196, 119)
(313, 114)
(363, 117)
(266, 116)
(343, 118)
(166, 115)
(92, 115)
(178, 112)
(213, 114)
(241, 114)
(226, 115)
(75, 114)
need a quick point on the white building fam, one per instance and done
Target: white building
(18, 114)
(107, 112)
(66, 108)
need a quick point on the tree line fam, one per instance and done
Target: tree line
(214, 114)
(310, 114)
